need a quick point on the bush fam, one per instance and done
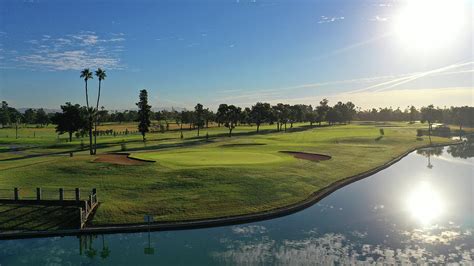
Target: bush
(419, 132)
(382, 132)
(442, 131)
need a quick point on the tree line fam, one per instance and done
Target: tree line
(462, 116)
(75, 118)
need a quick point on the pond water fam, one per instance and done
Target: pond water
(419, 210)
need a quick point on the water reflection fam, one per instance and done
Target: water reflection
(428, 152)
(425, 203)
(350, 248)
(464, 150)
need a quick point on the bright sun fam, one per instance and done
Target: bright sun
(428, 25)
(424, 203)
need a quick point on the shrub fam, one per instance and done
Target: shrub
(419, 132)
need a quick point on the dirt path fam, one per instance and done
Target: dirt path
(120, 159)
(308, 156)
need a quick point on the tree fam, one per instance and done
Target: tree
(41, 117)
(208, 116)
(230, 116)
(322, 110)
(245, 117)
(72, 119)
(144, 111)
(101, 75)
(428, 114)
(5, 118)
(220, 115)
(338, 115)
(86, 74)
(260, 113)
(199, 117)
(277, 114)
(349, 112)
(295, 113)
(414, 114)
(332, 115)
(30, 116)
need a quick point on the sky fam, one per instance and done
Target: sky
(374, 53)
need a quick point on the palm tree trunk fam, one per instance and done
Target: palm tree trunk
(91, 148)
(96, 120)
(87, 96)
(429, 131)
(91, 151)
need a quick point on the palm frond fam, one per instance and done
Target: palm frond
(100, 73)
(86, 74)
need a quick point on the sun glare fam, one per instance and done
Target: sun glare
(424, 203)
(428, 25)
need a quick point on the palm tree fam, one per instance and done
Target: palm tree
(101, 76)
(86, 74)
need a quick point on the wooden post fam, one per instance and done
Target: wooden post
(94, 192)
(80, 222)
(38, 193)
(61, 194)
(78, 194)
(16, 195)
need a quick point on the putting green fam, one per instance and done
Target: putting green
(209, 158)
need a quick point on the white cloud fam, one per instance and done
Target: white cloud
(72, 52)
(379, 19)
(325, 19)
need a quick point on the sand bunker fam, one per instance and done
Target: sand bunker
(120, 159)
(308, 156)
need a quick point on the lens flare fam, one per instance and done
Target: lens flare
(425, 204)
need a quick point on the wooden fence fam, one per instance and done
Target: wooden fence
(53, 197)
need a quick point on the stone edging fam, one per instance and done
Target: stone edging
(220, 221)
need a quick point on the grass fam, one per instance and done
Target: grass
(194, 178)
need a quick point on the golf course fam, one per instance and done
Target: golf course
(209, 176)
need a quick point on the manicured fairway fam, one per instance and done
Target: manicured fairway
(197, 178)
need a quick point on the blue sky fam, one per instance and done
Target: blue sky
(236, 52)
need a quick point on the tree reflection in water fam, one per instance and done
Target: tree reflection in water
(464, 150)
(428, 152)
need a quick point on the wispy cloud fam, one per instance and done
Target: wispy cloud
(384, 86)
(352, 46)
(72, 52)
(397, 81)
(325, 19)
(379, 19)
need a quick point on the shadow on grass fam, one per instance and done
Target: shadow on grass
(16, 217)
(193, 141)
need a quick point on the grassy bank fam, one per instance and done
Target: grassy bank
(198, 178)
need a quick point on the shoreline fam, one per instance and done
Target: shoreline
(219, 221)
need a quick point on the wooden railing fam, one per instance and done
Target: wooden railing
(89, 206)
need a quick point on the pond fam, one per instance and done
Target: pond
(420, 209)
